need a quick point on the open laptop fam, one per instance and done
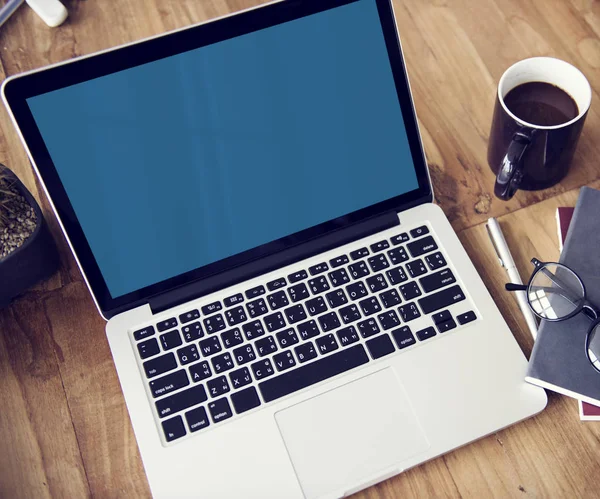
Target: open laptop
(249, 203)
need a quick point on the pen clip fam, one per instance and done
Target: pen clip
(487, 227)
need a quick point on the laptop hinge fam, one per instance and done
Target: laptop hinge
(261, 266)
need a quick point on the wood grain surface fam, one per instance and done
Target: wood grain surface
(63, 422)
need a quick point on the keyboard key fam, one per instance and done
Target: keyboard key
(376, 283)
(167, 324)
(278, 300)
(380, 346)
(441, 299)
(148, 348)
(265, 346)
(339, 277)
(318, 285)
(359, 270)
(211, 308)
(339, 260)
(403, 337)
(170, 340)
(442, 327)
(442, 316)
(189, 316)
(287, 338)
(397, 255)
(232, 338)
(336, 298)
(274, 322)
(233, 300)
(192, 331)
(217, 386)
(295, 313)
(140, 334)
(349, 314)
(316, 306)
(173, 428)
(210, 346)
(419, 231)
(257, 308)
(200, 371)
(425, 334)
(435, 261)
(220, 410)
(214, 324)
(255, 291)
(329, 321)
(244, 354)
(370, 306)
(276, 284)
(245, 400)
(380, 246)
(188, 354)
(262, 369)
(284, 360)
(326, 344)
(314, 372)
(410, 290)
(318, 269)
(390, 298)
(169, 383)
(240, 377)
(421, 246)
(437, 280)
(347, 336)
(297, 276)
(416, 268)
(466, 317)
(222, 362)
(298, 292)
(308, 329)
(409, 312)
(197, 419)
(236, 315)
(356, 290)
(399, 239)
(305, 352)
(180, 401)
(359, 253)
(396, 275)
(378, 262)
(368, 328)
(389, 319)
(253, 330)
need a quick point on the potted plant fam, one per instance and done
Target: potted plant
(27, 251)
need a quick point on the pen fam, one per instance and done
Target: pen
(8, 9)
(506, 261)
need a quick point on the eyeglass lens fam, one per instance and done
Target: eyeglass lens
(594, 346)
(555, 292)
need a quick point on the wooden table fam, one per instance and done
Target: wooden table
(64, 428)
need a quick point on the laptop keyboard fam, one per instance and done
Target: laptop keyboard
(231, 356)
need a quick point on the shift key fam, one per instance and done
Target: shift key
(441, 299)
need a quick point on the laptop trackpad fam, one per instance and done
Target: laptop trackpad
(328, 453)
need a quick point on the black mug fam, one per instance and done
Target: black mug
(527, 155)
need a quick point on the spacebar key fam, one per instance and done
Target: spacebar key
(441, 299)
(312, 373)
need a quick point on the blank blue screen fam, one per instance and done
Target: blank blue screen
(190, 159)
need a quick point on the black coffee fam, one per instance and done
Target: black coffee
(541, 103)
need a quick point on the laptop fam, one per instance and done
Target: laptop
(248, 201)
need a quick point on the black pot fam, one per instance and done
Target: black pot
(34, 260)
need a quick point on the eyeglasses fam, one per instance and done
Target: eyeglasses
(556, 293)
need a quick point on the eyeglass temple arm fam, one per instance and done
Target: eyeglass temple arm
(510, 286)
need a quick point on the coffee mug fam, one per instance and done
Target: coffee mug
(540, 108)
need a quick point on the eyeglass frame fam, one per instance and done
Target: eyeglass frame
(588, 308)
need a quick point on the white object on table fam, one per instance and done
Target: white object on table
(52, 12)
(506, 261)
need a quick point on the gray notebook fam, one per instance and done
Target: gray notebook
(558, 361)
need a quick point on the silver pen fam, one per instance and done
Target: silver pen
(8, 9)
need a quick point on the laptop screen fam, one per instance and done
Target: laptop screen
(181, 162)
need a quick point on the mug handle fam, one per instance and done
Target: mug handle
(510, 172)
